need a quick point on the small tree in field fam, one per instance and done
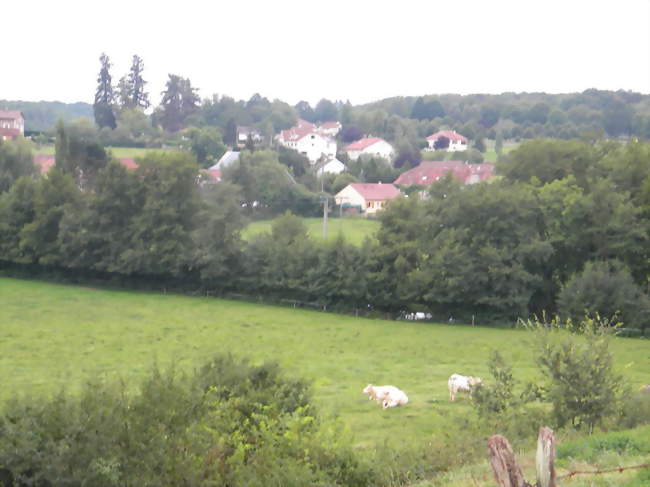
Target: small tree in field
(577, 366)
(498, 396)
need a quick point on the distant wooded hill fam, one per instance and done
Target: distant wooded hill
(42, 115)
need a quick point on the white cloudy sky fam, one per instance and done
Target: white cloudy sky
(361, 50)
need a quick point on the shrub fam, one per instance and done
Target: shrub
(635, 410)
(230, 423)
(580, 380)
(498, 396)
(606, 288)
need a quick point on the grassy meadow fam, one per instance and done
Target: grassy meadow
(58, 336)
(490, 155)
(132, 152)
(600, 451)
(354, 230)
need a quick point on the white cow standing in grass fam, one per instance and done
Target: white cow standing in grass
(460, 383)
(387, 396)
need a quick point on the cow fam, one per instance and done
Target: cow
(395, 399)
(379, 393)
(460, 383)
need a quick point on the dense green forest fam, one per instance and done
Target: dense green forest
(41, 116)
(562, 214)
(513, 115)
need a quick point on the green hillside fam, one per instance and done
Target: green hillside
(56, 336)
(354, 230)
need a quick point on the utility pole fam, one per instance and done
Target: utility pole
(325, 211)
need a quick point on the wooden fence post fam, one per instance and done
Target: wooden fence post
(504, 465)
(545, 458)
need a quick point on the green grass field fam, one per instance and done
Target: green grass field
(354, 230)
(489, 155)
(132, 152)
(600, 451)
(55, 336)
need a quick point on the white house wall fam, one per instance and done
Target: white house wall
(454, 146)
(350, 196)
(380, 149)
(314, 146)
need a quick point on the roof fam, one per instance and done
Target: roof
(330, 125)
(431, 171)
(44, 162)
(11, 114)
(13, 133)
(450, 134)
(213, 175)
(128, 162)
(376, 191)
(226, 160)
(362, 144)
(298, 131)
(333, 166)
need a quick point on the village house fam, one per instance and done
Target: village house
(244, 132)
(371, 147)
(367, 198)
(306, 138)
(228, 158)
(457, 142)
(331, 166)
(12, 124)
(330, 128)
(431, 171)
(209, 177)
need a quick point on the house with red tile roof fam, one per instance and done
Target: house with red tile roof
(366, 198)
(331, 128)
(431, 171)
(208, 176)
(44, 162)
(306, 138)
(370, 146)
(457, 142)
(12, 124)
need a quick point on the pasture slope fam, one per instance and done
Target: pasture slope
(54, 336)
(116, 151)
(354, 230)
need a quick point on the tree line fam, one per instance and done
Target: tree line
(403, 121)
(563, 216)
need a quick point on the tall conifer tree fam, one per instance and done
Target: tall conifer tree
(138, 98)
(104, 96)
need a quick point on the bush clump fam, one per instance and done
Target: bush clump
(230, 423)
(608, 289)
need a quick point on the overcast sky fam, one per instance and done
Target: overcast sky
(306, 50)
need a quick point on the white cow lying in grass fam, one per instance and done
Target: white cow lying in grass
(395, 399)
(388, 396)
(460, 383)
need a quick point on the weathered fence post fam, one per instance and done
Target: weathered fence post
(545, 458)
(504, 465)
